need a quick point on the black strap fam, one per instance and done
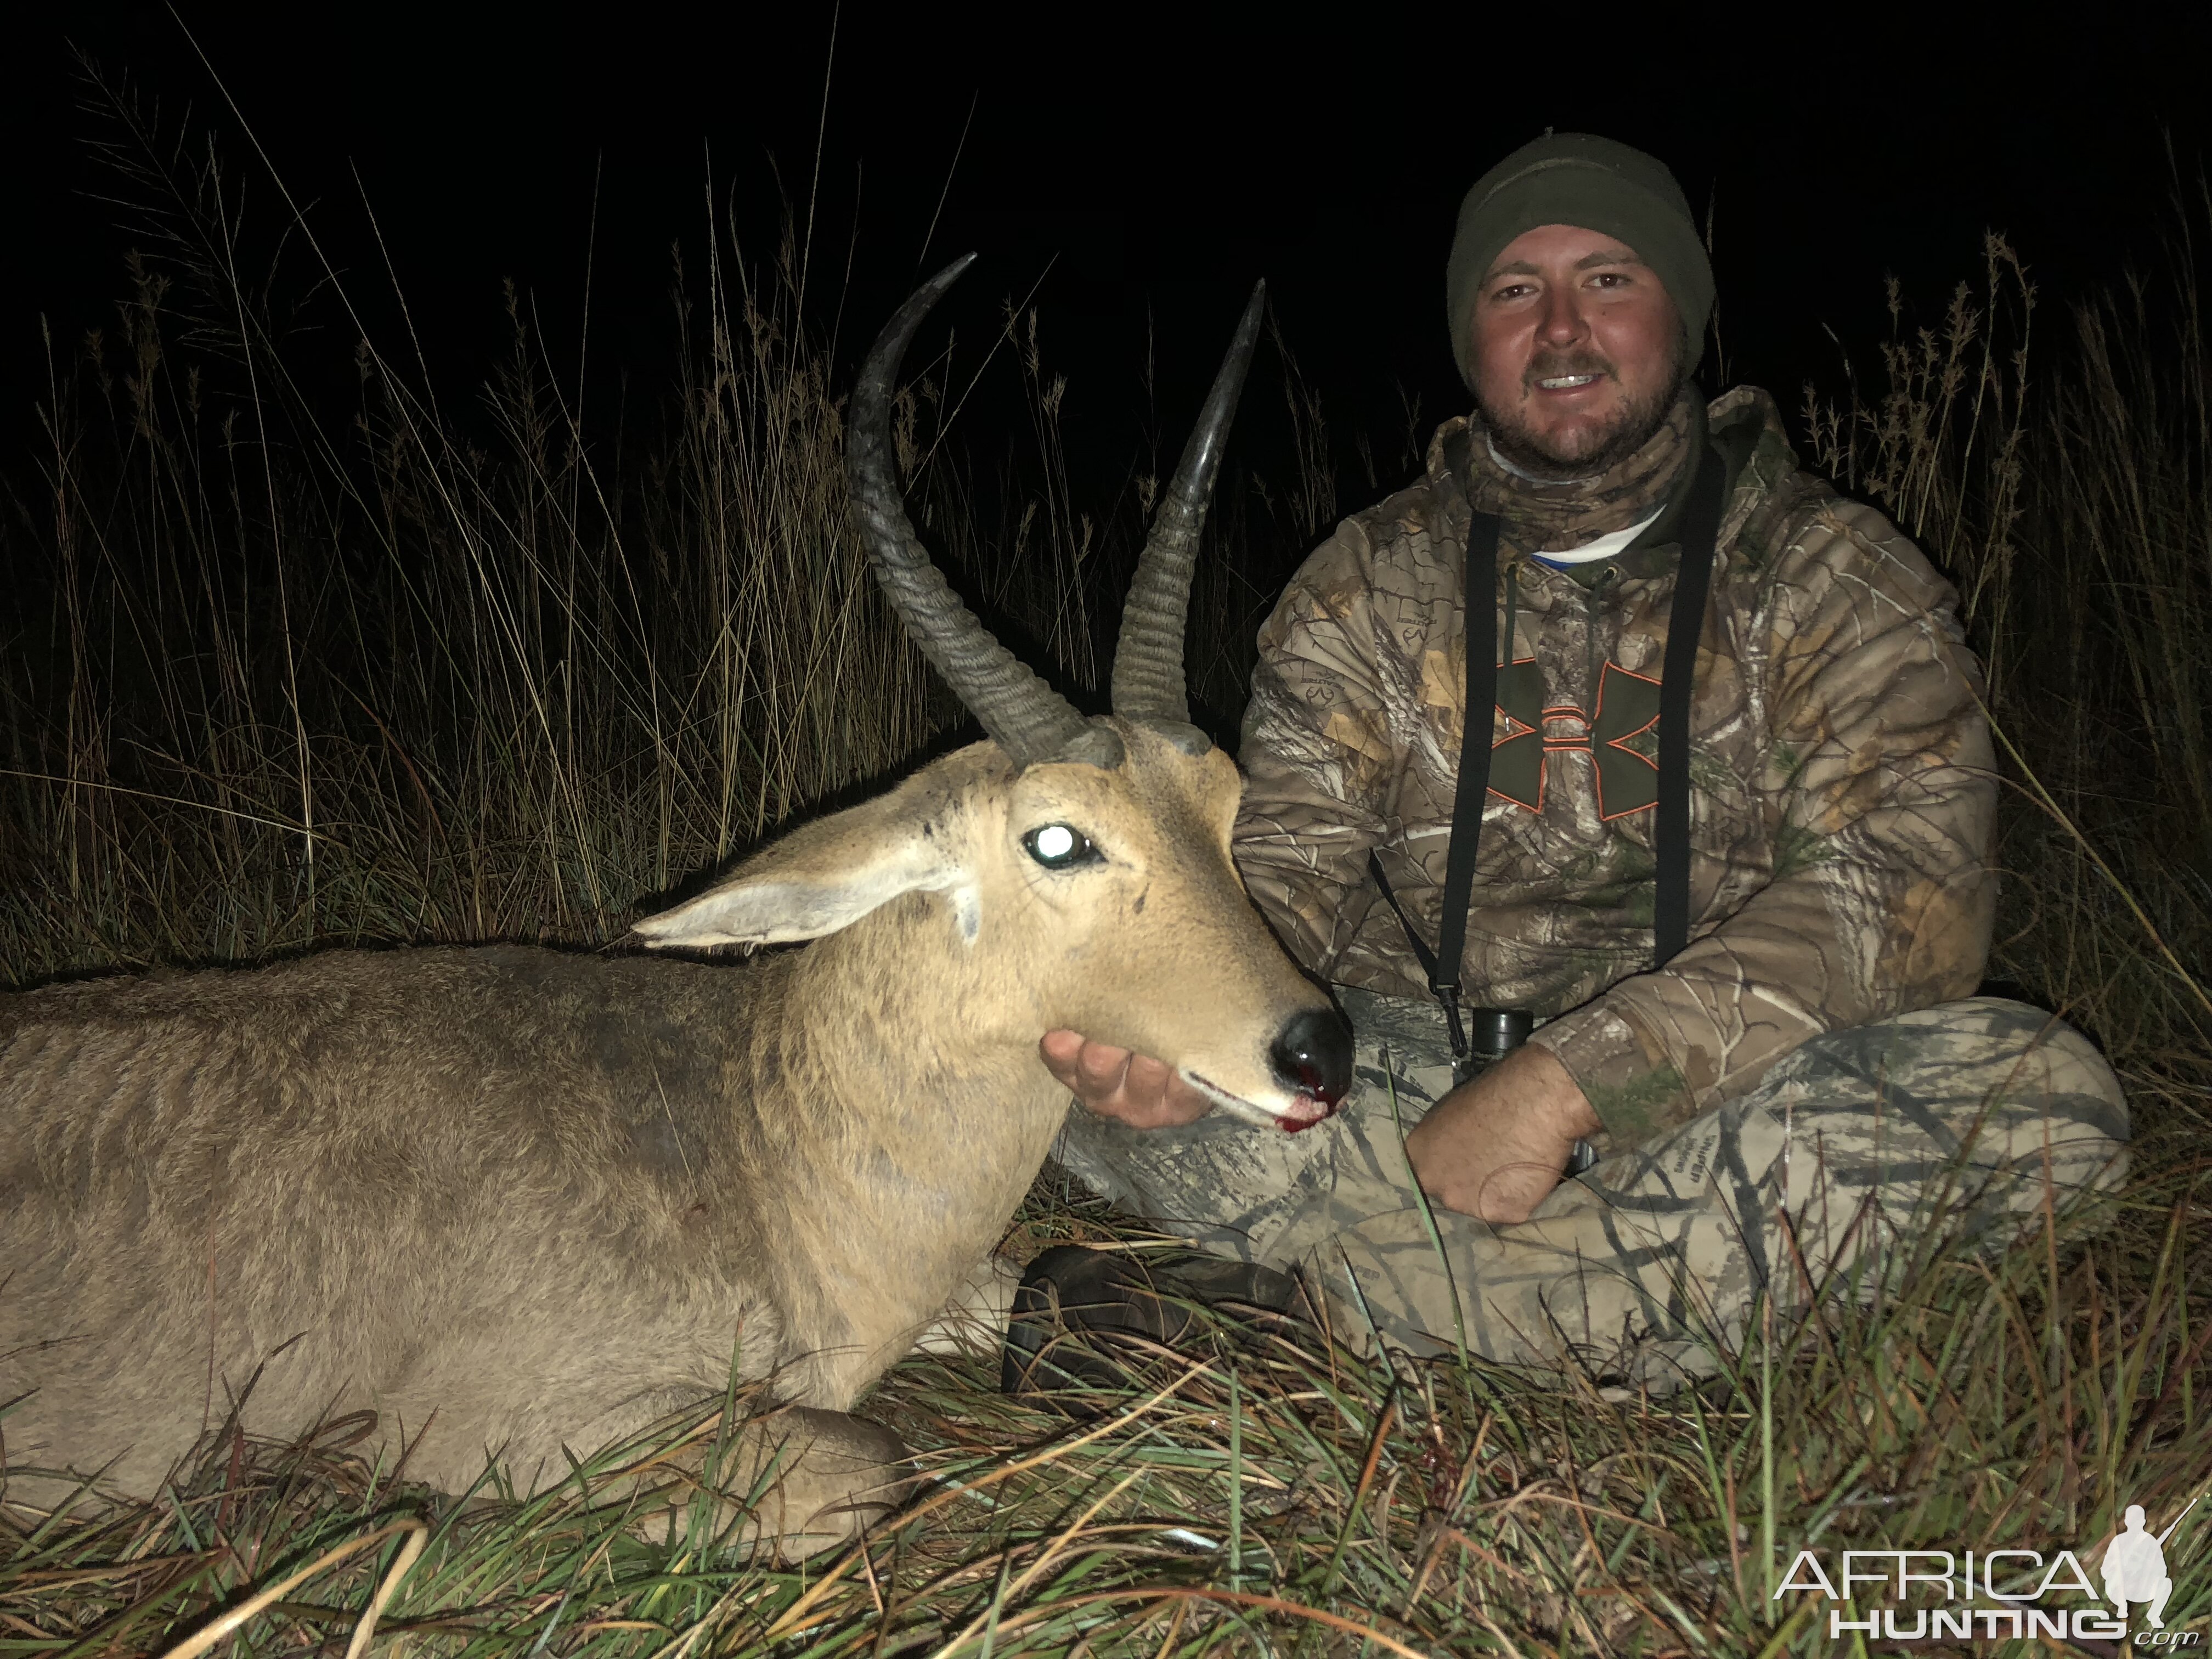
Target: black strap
(1685, 624)
(1472, 788)
(1700, 532)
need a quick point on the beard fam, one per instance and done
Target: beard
(1595, 450)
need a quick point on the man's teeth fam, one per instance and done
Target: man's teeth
(1565, 382)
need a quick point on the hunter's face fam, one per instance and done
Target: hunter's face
(1578, 352)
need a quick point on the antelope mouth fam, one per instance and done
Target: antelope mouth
(1303, 1112)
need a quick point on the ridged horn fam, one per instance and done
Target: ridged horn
(1024, 716)
(1148, 668)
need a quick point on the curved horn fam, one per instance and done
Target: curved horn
(1026, 717)
(1148, 671)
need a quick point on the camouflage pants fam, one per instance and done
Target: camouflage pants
(1950, 1119)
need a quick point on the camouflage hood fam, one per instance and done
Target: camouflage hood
(1842, 795)
(1539, 515)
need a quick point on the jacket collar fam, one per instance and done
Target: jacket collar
(1729, 432)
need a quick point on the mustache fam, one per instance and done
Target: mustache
(1548, 365)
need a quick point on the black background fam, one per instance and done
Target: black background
(1146, 165)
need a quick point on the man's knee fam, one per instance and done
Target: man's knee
(1985, 1082)
(1978, 1051)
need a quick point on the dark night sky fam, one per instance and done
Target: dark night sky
(1165, 158)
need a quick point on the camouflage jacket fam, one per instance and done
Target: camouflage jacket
(1841, 775)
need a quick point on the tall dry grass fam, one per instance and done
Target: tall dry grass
(301, 679)
(2066, 488)
(298, 662)
(283, 677)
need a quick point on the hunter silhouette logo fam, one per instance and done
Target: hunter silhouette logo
(1627, 708)
(2135, 1567)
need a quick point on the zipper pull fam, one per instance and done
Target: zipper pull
(1594, 670)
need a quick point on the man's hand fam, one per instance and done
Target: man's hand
(1494, 1148)
(1132, 1089)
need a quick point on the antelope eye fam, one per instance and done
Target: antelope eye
(1060, 847)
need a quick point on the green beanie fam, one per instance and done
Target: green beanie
(1575, 178)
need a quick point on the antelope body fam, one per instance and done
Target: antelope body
(521, 1204)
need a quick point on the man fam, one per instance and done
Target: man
(1813, 1045)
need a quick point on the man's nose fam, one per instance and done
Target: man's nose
(1561, 322)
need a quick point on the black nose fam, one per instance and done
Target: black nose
(1313, 1052)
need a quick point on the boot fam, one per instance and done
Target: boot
(1087, 1319)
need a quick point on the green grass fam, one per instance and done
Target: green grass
(291, 674)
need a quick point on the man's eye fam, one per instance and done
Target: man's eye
(1060, 847)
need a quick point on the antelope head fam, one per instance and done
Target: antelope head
(1076, 869)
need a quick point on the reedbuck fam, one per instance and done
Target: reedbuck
(515, 1201)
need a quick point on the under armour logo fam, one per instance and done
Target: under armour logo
(1627, 707)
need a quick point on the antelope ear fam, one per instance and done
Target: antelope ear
(827, 875)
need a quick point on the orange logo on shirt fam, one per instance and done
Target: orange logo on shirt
(1627, 707)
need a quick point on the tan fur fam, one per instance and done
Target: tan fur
(514, 1200)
